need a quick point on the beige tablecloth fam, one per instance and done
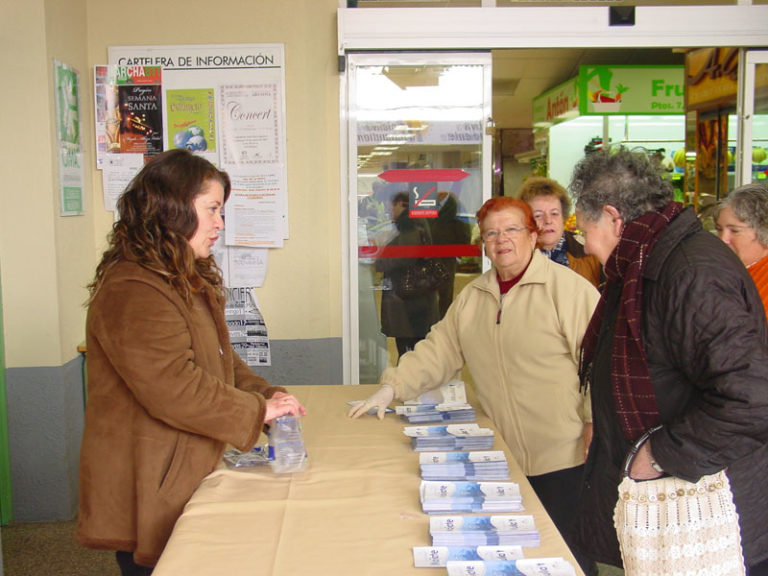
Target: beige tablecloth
(354, 511)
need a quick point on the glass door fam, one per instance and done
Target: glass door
(419, 140)
(754, 125)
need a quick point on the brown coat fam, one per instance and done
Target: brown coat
(166, 393)
(580, 262)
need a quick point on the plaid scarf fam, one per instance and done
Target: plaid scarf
(558, 253)
(633, 394)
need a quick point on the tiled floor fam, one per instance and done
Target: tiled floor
(49, 549)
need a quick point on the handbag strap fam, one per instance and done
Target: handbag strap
(634, 449)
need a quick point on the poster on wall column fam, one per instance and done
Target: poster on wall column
(68, 139)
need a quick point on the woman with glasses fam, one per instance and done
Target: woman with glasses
(741, 220)
(518, 327)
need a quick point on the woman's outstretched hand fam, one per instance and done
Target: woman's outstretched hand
(379, 400)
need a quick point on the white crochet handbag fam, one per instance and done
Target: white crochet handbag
(671, 527)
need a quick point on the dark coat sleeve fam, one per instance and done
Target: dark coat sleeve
(706, 346)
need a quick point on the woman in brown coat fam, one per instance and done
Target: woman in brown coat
(166, 390)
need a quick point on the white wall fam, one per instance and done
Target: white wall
(300, 298)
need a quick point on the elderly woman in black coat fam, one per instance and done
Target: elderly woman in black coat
(678, 341)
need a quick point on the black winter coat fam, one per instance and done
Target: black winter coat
(411, 318)
(706, 343)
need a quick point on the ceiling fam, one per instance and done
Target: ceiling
(520, 75)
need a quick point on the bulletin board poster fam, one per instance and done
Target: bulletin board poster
(68, 139)
(129, 111)
(227, 104)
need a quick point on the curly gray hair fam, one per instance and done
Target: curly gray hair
(624, 179)
(750, 205)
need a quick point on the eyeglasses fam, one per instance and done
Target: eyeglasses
(491, 236)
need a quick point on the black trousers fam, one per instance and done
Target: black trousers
(758, 569)
(559, 493)
(128, 567)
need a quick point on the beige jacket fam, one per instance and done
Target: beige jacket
(522, 351)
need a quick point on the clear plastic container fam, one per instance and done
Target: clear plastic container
(286, 445)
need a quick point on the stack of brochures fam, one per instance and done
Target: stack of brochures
(480, 466)
(522, 567)
(451, 437)
(422, 413)
(495, 530)
(465, 496)
(453, 392)
(439, 556)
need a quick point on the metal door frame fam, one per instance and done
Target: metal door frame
(351, 372)
(746, 110)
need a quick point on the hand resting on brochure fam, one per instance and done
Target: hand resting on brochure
(378, 401)
(452, 392)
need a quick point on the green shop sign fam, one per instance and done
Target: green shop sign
(621, 90)
(631, 90)
(555, 105)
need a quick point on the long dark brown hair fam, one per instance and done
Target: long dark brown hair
(157, 219)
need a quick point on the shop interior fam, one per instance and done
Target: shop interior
(520, 149)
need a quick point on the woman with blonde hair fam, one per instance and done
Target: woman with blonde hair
(551, 207)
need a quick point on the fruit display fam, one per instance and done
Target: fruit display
(758, 155)
(679, 158)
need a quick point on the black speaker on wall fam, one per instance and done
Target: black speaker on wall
(621, 15)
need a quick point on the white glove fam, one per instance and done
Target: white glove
(379, 400)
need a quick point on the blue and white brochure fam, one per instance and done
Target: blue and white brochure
(487, 530)
(522, 567)
(441, 496)
(450, 437)
(439, 556)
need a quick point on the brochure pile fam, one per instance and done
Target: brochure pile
(478, 466)
(423, 413)
(495, 530)
(451, 437)
(453, 392)
(470, 497)
(522, 567)
(461, 473)
(439, 556)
